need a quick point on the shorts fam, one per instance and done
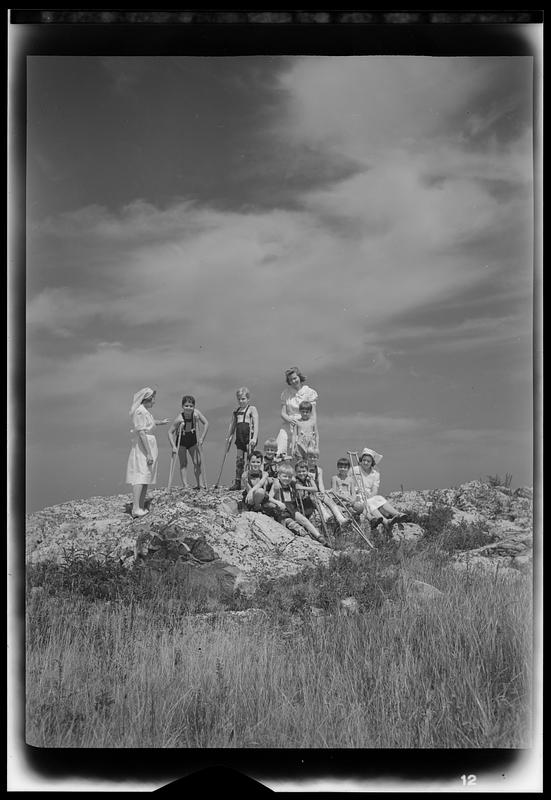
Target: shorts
(188, 440)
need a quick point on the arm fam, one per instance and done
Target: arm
(285, 416)
(334, 486)
(255, 427)
(272, 495)
(172, 431)
(205, 423)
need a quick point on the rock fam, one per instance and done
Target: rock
(523, 562)
(407, 531)
(201, 534)
(200, 549)
(350, 604)
(228, 506)
(422, 591)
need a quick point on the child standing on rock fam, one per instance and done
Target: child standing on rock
(305, 432)
(244, 425)
(183, 438)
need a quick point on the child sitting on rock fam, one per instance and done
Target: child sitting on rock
(329, 508)
(253, 482)
(344, 487)
(271, 463)
(284, 496)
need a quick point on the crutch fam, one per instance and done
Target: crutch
(174, 455)
(203, 465)
(226, 451)
(359, 485)
(338, 500)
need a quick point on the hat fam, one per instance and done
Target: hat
(139, 397)
(368, 452)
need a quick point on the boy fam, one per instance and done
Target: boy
(305, 432)
(329, 507)
(253, 483)
(244, 425)
(283, 495)
(344, 486)
(270, 462)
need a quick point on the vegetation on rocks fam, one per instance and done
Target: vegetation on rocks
(392, 647)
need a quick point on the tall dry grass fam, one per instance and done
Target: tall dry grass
(447, 673)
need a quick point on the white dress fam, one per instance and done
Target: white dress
(371, 487)
(292, 399)
(138, 470)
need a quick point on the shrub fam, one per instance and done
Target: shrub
(465, 536)
(436, 519)
(496, 480)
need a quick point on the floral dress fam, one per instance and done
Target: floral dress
(291, 399)
(137, 469)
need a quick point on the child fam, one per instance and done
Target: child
(283, 495)
(271, 462)
(184, 428)
(253, 482)
(244, 425)
(377, 508)
(344, 486)
(329, 508)
(305, 489)
(305, 432)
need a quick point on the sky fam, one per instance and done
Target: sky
(198, 224)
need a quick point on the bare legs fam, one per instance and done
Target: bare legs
(139, 491)
(301, 520)
(196, 461)
(182, 456)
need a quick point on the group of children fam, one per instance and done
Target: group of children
(288, 486)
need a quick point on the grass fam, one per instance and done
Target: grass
(139, 669)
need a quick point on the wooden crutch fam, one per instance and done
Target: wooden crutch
(174, 455)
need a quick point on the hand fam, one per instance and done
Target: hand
(150, 459)
(174, 451)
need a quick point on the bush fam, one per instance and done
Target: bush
(90, 579)
(435, 521)
(465, 536)
(496, 480)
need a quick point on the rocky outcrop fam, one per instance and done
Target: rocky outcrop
(204, 533)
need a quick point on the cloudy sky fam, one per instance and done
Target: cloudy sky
(202, 223)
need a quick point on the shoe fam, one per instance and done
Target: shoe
(141, 512)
